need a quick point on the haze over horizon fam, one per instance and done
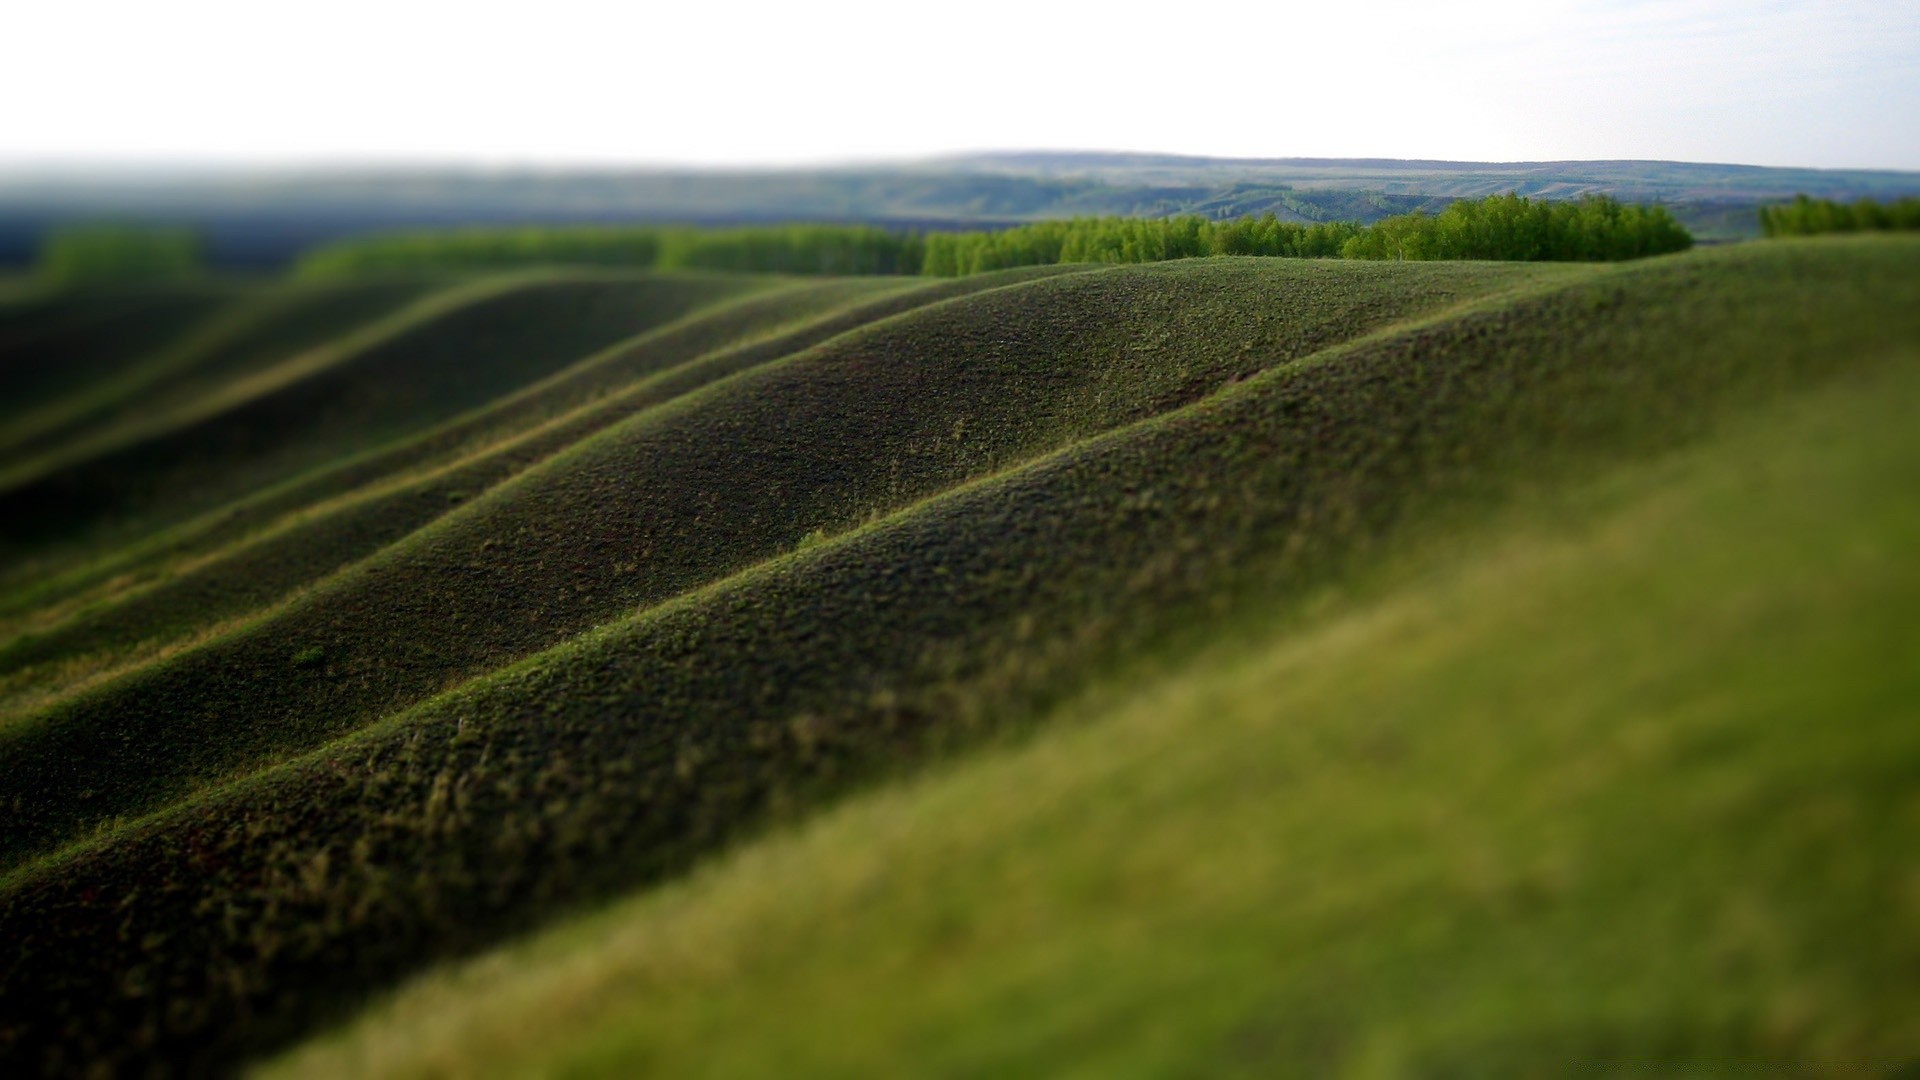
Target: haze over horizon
(1097, 160)
(217, 82)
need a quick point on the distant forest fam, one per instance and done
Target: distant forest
(1806, 216)
(780, 249)
(1504, 227)
(101, 253)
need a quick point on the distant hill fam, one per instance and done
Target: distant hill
(1669, 181)
(262, 219)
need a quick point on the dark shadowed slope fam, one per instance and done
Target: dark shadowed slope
(141, 395)
(62, 345)
(1615, 781)
(439, 444)
(193, 599)
(679, 496)
(482, 343)
(1066, 474)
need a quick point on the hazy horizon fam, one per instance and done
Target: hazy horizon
(219, 84)
(116, 168)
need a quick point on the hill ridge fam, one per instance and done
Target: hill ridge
(260, 560)
(925, 595)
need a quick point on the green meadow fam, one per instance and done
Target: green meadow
(1230, 665)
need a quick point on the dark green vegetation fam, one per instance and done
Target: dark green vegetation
(1807, 216)
(1593, 229)
(91, 254)
(453, 351)
(786, 249)
(1502, 227)
(227, 563)
(1130, 240)
(767, 540)
(58, 347)
(113, 373)
(1541, 799)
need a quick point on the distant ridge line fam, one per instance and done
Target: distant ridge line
(1119, 158)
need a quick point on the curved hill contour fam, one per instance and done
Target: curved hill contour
(776, 566)
(428, 363)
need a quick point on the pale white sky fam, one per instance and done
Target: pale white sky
(1770, 82)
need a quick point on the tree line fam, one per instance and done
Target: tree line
(1514, 228)
(1504, 227)
(785, 249)
(106, 253)
(1806, 216)
(1130, 240)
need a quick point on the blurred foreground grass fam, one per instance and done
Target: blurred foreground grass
(1626, 779)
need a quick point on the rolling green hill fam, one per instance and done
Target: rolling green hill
(201, 366)
(1317, 850)
(426, 364)
(1248, 643)
(57, 350)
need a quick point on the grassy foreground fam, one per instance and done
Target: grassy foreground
(727, 551)
(1625, 781)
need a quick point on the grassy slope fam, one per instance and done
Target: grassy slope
(269, 326)
(734, 474)
(559, 403)
(197, 590)
(55, 346)
(199, 597)
(403, 380)
(1626, 781)
(227, 522)
(618, 757)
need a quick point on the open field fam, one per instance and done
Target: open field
(1281, 632)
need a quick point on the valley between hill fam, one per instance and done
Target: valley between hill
(1170, 666)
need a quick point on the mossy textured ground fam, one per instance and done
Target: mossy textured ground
(594, 575)
(1621, 783)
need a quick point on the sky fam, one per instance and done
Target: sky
(1833, 83)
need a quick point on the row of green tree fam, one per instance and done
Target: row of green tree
(1513, 228)
(784, 249)
(1806, 216)
(86, 254)
(1130, 240)
(1501, 227)
(1506, 227)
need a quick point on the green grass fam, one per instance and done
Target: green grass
(228, 406)
(558, 400)
(204, 592)
(762, 573)
(822, 439)
(410, 375)
(61, 344)
(1546, 798)
(269, 327)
